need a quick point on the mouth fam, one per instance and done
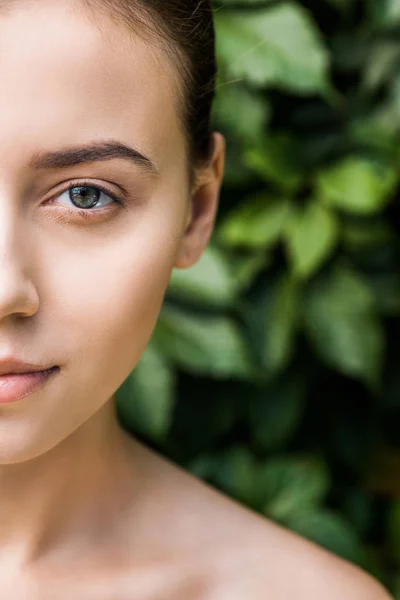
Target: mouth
(15, 386)
(45, 371)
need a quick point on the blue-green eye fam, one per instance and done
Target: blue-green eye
(85, 200)
(88, 196)
(84, 196)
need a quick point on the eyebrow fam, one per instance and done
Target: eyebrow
(96, 151)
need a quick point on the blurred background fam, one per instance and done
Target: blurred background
(273, 372)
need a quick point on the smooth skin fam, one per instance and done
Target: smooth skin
(85, 510)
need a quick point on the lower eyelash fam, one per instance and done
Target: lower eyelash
(66, 215)
(63, 216)
(79, 212)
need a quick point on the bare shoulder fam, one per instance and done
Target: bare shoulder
(254, 558)
(235, 554)
(284, 565)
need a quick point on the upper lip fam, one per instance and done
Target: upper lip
(14, 366)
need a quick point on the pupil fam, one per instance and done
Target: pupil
(84, 196)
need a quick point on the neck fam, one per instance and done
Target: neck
(66, 494)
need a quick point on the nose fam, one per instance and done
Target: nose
(18, 295)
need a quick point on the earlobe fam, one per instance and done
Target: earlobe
(204, 206)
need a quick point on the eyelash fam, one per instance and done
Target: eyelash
(85, 213)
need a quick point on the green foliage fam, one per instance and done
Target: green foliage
(273, 370)
(255, 46)
(311, 234)
(203, 344)
(356, 185)
(340, 319)
(153, 388)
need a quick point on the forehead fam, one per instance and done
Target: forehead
(66, 79)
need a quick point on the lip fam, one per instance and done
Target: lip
(15, 386)
(11, 366)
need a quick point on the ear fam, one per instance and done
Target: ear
(204, 202)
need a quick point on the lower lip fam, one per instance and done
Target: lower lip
(17, 386)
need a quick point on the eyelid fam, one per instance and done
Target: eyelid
(65, 214)
(86, 182)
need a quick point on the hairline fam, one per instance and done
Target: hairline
(145, 24)
(137, 20)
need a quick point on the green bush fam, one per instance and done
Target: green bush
(273, 370)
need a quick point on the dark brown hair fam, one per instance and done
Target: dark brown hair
(186, 30)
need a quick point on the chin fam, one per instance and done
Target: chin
(22, 440)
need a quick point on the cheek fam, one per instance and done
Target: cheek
(113, 290)
(100, 294)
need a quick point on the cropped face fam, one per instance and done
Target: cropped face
(88, 237)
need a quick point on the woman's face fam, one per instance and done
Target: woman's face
(84, 291)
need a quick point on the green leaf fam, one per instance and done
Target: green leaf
(377, 131)
(147, 398)
(276, 159)
(340, 319)
(385, 13)
(381, 64)
(240, 112)
(237, 473)
(311, 235)
(247, 268)
(210, 281)
(357, 185)
(281, 319)
(272, 320)
(331, 531)
(273, 46)
(292, 486)
(256, 223)
(204, 466)
(275, 411)
(211, 345)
